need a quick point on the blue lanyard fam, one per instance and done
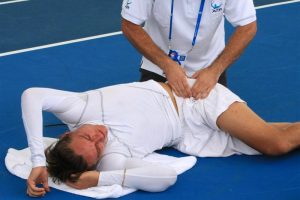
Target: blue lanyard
(197, 23)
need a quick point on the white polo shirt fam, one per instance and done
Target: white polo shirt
(211, 36)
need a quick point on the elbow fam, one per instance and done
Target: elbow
(167, 178)
(170, 181)
(247, 31)
(27, 93)
(161, 186)
(171, 178)
(253, 29)
(30, 94)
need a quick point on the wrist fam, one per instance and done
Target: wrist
(217, 68)
(95, 178)
(165, 65)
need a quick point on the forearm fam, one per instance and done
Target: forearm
(139, 174)
(150, 178)
(33, 102)
(240, 39)
(140, 39)
(32, 119)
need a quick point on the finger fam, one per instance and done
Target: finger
(176, 91)
(44, 182)
(175, 88)
(187, 89)
(202, 95)
(34, 192)
(46, 186)
(197, 89)
(33, 188)
(195, 75)
(181, 90)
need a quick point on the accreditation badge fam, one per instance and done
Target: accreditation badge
(177, 56)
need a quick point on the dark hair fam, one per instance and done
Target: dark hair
(62, 163)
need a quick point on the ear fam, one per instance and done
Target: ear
(64, 134)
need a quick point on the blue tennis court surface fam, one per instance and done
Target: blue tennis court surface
(267, 76)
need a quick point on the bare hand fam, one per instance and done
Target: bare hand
(86, 180)
(207, 78)
(178, 81)
(38, 175)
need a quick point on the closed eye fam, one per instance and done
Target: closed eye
(86, 137)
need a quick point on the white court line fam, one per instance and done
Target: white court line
(60, 43)
(107, 35)
(277, 4)
(8, 2)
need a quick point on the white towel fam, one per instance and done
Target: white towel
(18, 163)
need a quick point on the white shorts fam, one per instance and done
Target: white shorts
(201, 135)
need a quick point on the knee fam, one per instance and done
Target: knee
(277, 148)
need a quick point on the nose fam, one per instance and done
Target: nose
(102, 129)
(98, 136)
(100, 133)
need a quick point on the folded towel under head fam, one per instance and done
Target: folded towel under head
(18, 163)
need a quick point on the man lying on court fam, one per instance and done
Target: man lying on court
(114, 127)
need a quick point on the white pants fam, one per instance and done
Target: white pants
(201, 135)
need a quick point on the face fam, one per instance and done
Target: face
(89, 142)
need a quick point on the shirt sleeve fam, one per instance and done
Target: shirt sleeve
(240, 12)
(136, 11)
(136, 173)
(33, 102)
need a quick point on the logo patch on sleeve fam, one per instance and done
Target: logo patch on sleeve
(216, 5)
(128, 4)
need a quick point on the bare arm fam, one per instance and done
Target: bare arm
(145, 45)
(208, 77)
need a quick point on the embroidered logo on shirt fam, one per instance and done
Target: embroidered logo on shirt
(216, 6)
(128, 3)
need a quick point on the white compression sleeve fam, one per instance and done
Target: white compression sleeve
(152, 178)
(34, 101)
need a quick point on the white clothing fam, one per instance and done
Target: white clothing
(139, 174)
(118, 107)
(211, 36)
(141, 118)
(201, 135)
(18, 163)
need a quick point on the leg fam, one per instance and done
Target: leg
(241, 122)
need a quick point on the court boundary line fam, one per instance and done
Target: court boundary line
(9, 2)
(276, 4)
(107, 34)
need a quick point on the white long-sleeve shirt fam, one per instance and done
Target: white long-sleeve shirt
(118, 107)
